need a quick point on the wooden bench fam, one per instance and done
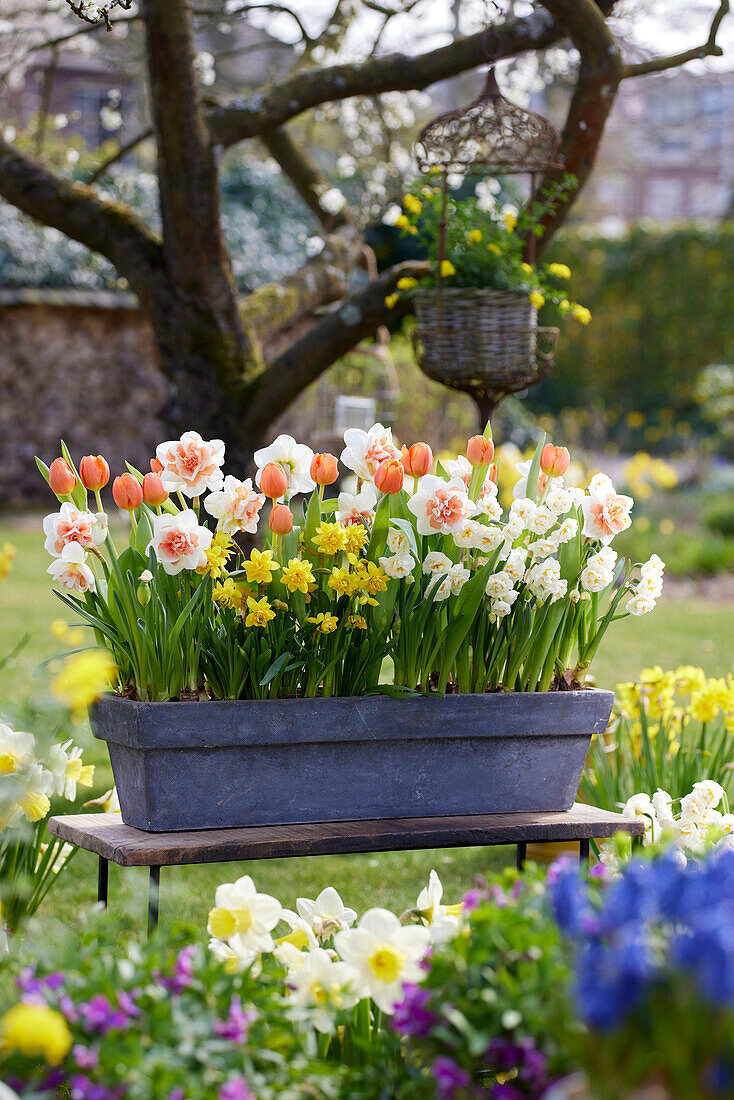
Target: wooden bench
(112, 841)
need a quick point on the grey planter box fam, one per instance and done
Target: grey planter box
(210, 765)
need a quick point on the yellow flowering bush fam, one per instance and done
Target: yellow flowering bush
(669, 730)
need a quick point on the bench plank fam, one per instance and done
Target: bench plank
(107, 836)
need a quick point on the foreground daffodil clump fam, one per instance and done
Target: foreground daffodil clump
(414, 567)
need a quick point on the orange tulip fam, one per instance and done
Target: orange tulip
(156, 466)
(281, 519)
(389, 476)
(554, 460)
(61, 478)
(273, 480)
(127, 492)
(492, 473)
(480, 450)
(324, 469)
(153, 491)
(417, 460)
(94, 472)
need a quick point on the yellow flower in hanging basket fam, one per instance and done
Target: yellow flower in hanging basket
(527, 268)
(494, 248)
(407, 283)
(561, 271)
(392, 300)
(510, 221)
(581, 314)
(537, 299)
(447, 269)
(474, 236)
(412, 204)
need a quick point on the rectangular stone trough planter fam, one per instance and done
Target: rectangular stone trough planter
(210, 765)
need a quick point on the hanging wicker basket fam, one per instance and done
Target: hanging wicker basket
(483, 341)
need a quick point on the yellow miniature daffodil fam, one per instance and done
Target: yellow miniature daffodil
(402, 222)
(298, 576)
(372, 578)
(331, 538)
(260, 567)
(228, 594)
(220, 550)
(357, 622)
(82, 680)
(259, 612)
(325, 622)
(357, 536)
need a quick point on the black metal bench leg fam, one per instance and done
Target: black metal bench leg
(103, 878)
(522, 855)
(584, 852)
(154, 895)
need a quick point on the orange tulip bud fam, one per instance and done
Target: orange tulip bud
(554, 460)
(324, 469)
(153, 491)
(492, 473)
(480, 451)
(61, 477)
(156, 466)
(389, 476)
(281, 519)
(94, 472)
(127, 492)
(417, 460)
(273, 480)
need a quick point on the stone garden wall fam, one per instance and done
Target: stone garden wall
(78, 364)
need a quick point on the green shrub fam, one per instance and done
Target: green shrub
(720, 518)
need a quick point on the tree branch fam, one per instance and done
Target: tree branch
(121, 152)
(306, 176)
(675, 60)
(305, 359)
(260, 112)
(109, 228)
(600, 70)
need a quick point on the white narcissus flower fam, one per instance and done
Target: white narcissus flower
(525, 509)
(606, 513)
(541, 521)
(324, 985)
(327, 914)
(455, 579)
(290, 956)
(520, 489)
(35, 801)
(397, 541)
(398, 566)
(440, 507)
(436, 563)
(708, 793)
(443, 920)
(364, 451)
(595, 577)
(179, 542)
(515, 564)
(71, 570)
(243, 918)
(544, 580)
(662, 803)
(16, 749)
(691, 807)
(357, 507)
(514, 527)
(191, 465)
(688, 835)
(70, 525)
(233, 962)
(465, 536)
(384, 954)
(498, 584)
(542, 548)
(653, 565)
(650, 586)
(236, 506)
(567, 531)
(727, 823)
(67, 769)
(640, 808)
(558, 500)
(640, 604)
(301, 935)
(295, 458)
(487, 539)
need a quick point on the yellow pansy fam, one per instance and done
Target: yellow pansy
(494, 248)
(561, 271)
(331, 538)
(581, 314)
(527, 268)
(412, 204)
(260, 567)
(402, 222)
(447, 269)
(510, 221)
(82, 680)
(474, 236)
(357, 535)
(259, 612)
(35, 1030)
(537, 299)
(407, 283)
(325, 622)
(298, 576)
(392, 300)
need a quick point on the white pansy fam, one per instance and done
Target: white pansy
(364, 451)
(488, 539)
(295, 458)
(436, 562)
(357, 507)
(71, 570)
(327, 913)
(323, 985)
(397, 541)
(385, 955)
(236, 506)
(243, 917)
(398, 566)
(640, 604)
(16, 749)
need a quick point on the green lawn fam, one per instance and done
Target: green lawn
(679, 632)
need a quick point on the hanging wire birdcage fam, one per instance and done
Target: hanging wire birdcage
(483, 341)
